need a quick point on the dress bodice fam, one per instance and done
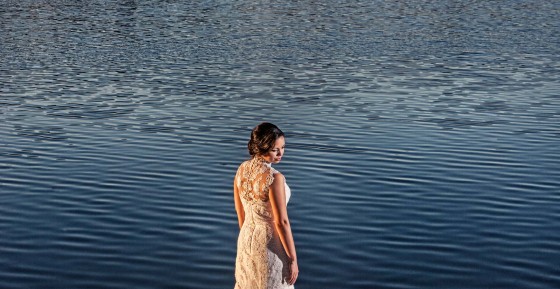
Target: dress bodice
(253, 179)
(288, 191)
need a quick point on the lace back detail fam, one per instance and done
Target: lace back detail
(254, 178)
(261, 261)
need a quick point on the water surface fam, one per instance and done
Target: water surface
(422, 140)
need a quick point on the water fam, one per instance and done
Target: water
(422, 140)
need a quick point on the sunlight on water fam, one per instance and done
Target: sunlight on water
(422, 140)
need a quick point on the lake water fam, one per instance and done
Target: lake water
(422, 140)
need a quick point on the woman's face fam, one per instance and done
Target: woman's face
(274, 155)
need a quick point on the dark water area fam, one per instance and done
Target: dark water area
(422, 140)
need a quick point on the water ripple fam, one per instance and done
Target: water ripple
(421, 140)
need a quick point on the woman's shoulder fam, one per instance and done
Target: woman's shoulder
(244, 163)
(241, 167)
(277, 175)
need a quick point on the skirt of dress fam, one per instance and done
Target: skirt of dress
(261, 261)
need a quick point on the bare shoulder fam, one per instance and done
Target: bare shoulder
(241, 165)
(278, 176)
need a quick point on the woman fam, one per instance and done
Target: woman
(266, 254)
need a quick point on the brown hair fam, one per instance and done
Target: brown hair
(263, 137)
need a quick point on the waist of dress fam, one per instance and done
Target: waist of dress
(254, 218)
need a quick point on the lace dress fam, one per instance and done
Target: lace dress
(261, 261)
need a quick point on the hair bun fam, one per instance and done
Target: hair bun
(263, 137)
(252, 147)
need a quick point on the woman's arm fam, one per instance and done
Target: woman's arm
(238, 205)
(278, 201)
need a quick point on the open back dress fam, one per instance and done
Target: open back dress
(261, 262)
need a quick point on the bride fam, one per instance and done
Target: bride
(266, 253)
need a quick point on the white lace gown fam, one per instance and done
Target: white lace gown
(261, 261)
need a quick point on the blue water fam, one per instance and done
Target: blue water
(422, 140)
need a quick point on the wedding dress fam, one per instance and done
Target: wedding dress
(261, 261)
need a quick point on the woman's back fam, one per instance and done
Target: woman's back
(261, 259)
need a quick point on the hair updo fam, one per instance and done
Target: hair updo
(263, 138)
